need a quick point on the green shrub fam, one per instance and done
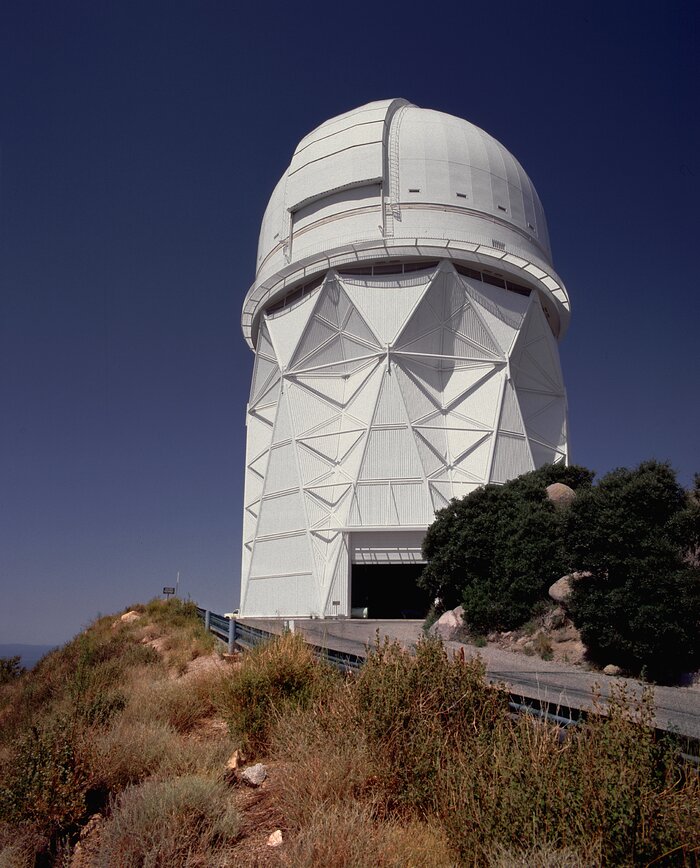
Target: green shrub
(413, 708)
(640, 607)
(499, 549)
(11, 669)
(45, 781)
(273, 678)
(186, 821)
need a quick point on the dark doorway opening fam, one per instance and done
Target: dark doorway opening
(388, 591)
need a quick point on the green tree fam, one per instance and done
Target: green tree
(637, 533)
(498, 549)
(10, 668)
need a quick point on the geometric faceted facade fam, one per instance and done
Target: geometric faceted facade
(384, 385)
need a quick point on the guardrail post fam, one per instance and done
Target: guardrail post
(231, 634)
(207, 619)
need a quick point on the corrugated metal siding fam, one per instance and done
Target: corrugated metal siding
(391, 454)
(511, 455)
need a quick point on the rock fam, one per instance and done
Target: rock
(560, 495)
(611, 669)
(86, 848)
(561, 590)
(555, 619)
(254, 775)
(128, 617)
(234, 760)
(447, 623)
(275, 838)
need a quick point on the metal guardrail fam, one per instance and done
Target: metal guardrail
(234, 633)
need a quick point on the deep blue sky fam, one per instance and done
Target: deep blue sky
(139, 143)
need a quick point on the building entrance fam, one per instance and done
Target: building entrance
(388, 591)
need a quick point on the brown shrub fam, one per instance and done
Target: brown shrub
(186, 822)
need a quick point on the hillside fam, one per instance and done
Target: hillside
(130, 747)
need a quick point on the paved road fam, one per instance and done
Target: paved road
(677, 708)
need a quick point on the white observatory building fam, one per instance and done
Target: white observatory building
(404, 317)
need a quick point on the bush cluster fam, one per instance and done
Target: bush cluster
(499, 549)
(93, 723)
(635, 537)
(420, 742)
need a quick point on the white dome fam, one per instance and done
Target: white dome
(391, 180)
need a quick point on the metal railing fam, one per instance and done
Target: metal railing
(235, 633)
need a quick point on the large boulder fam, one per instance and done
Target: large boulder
(561, 495)
(561, 590)
(447, 624)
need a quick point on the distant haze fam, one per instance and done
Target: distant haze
(30, 654)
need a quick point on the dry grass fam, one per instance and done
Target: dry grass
(351, 837)
(186, 821)
(415, 761)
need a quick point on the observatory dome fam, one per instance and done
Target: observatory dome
(392, 181)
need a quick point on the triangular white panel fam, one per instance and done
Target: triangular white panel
(480, 404)
(334, 446)
(354, 517)
(461, 441)
(431, 458)
(266, 413)
(287, 327)
(549, 424)
(532, 403)
(355, 381)
(337, 567)
(358, 328)
(312, 465)
(461, 379)
(331, 388)
(542, 454)
(385, 308)
(335, 499)
(475, 461)
(265, 370)
(317, 512)
(308, 410)
(511, 458)
(259, 465)
(281, 514)
(391, 454)
(362, 405)
(462, 489)
(281, 471)
(436, 438)
(283, 424)
(253, 487)
(526, 375)
(334, 304)
(259, 435)
(264, 346)
(441, 493)
(540, 352)
(390, 407)
(316, 334)
(353, 455)
(269, 395)
(423, 321)
(416, 395)
(462, 348)
(426, 373)
(511, 419)
(467, 323)
(501, 311)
